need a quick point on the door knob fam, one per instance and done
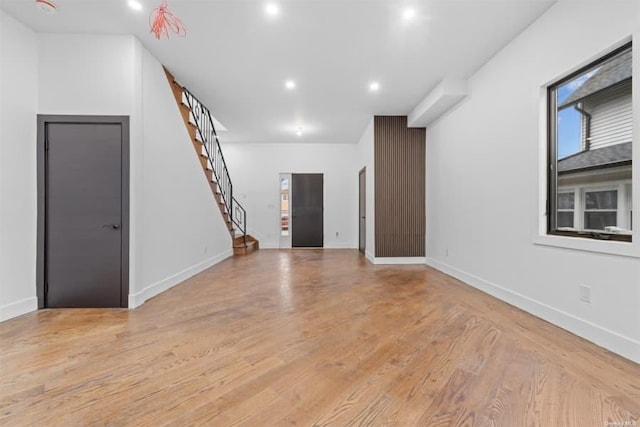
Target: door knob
(114, 226)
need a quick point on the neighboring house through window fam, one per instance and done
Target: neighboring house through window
(600, 209)
(590, 139)
(566, 209)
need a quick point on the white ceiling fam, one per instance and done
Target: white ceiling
(236, 59)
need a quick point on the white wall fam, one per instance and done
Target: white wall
(86, 74)
(182, 229)
(92, 74)
(255, 168)
(18, 100)
(366, 159)
(485, 189)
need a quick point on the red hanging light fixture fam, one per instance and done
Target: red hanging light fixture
(162, 20)
(47, 6)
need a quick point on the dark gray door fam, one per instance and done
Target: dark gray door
(83, 241)
(307, 210)
(362, 210)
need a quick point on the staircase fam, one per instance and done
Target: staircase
(204, 138)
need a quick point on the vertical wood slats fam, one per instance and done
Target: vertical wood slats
(399, 158)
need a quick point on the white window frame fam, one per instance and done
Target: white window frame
(575, 201)
(629, 205)
(539, 234)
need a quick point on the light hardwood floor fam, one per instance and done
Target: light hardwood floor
(310, 338)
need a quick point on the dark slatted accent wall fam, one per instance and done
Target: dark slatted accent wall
(399, 187)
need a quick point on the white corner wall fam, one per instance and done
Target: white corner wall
(483, 183)
(255, 169)
(92, 74)
(176, 228)
(366, 159)
(18, 102)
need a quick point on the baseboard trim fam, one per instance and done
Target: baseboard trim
(398, 260)
(341, 245)
(139, 298)
(18, 308)
(613, 341)
(345, 245)
(369, 255)
(269, 245)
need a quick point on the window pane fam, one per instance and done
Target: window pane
(566, 201)
(590, 146)
(565, 219)
(284, 207)
(599, 220)
(601, 200)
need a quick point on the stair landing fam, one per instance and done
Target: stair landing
(239, 248)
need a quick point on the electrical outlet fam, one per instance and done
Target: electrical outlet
(337, 234)
(446, 252)
(585, 294)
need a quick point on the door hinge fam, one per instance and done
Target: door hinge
(46, 144)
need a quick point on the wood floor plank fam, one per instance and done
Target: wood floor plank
(309, 337)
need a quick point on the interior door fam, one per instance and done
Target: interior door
(362, 210)
(307, 209)
(83, 214)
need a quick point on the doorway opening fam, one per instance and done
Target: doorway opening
(301, 210)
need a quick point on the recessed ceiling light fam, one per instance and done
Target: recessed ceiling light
(47, 6)
(374, 86)
(135, 5)
(290, 84)
(409, 14)
(299, 132)
(272, 9)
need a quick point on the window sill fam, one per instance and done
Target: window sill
(609, 247)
